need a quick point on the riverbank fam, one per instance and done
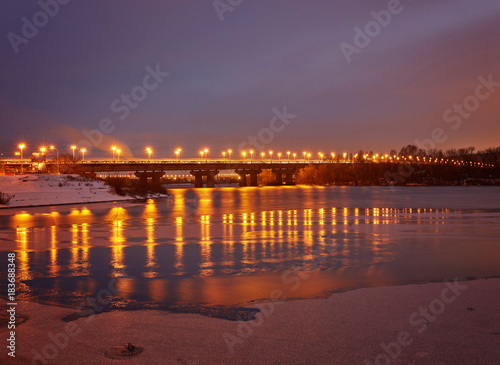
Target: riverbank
(43, 190)
(439, 323)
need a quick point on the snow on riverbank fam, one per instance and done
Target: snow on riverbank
(36, 190)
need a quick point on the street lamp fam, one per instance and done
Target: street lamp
(244, 156)
(251, 155)
(118, 154)
(149, 151)
(294, 155)
(73, 148)
(229, 153)
(43, 149)
(83, 154)
(279, 156)
(305, 154)
(177, 152)
(309, 157)
(113, 149)
(288, 153)
(201, 155)
(21, 147)
(224, 155)
(320, 157)
(206, 154)
(57, 151)
(345, 156)
(271, 155)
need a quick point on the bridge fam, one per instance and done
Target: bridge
(204, 172)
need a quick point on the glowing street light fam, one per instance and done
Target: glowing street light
(224, 155)
(43, 149)
(177, 153)
(57, 151)
(309, 157)
(345, 156)
(83, 150)
(149, 151)
(305, 154)
(251, 155)
(288, 153)
(73, 148)
(113, 149)
(118, 154)
(21, 147)
(271, 155)
(294, 155)
(320, 156)
(262, 154)
(244, 156)
(229, 153)
(201, 155)
(279, 156)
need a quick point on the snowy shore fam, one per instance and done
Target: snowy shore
(39, 190)
(439, 323)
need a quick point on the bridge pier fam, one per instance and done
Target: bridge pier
(253, 176)
(198, 177)
(288, 176)
(155, 177)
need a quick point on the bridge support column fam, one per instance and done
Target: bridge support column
(210, 178)
(154, 175)
(198, 179)
(279, 176)
(253, 178)
(289, 178)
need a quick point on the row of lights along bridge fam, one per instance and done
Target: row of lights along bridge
(248, 156)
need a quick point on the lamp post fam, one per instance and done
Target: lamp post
(294, 155)
(224, 155)
(201, 155)
(149, 151)
(177, 152)
(288, 154)
(271, 155)
(206, 154)
(244, 156)
(279, 156)
(229, 153)
(262, 154)
(118, 154)
(251, 155)
(21, 147)
(113, 149)
(73, 148)
(83, 154)
(305, 154)
(309, 157)
(43, 149)
(57, 151)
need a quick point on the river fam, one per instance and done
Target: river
(232, 246)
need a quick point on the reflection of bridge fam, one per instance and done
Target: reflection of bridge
(283, 171)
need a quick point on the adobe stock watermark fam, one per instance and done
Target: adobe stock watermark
(266, 135)
(223, 6)
(293, 277)
(59, 341)
(459, 112)
(419, 321)
(373, 28)
(123, 106)
(30, 27)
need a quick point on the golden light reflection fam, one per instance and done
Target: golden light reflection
(22, 254)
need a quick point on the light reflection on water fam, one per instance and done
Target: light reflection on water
(228, 246)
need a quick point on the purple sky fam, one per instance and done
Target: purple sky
(226, 77)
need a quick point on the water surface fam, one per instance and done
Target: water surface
(230, 246)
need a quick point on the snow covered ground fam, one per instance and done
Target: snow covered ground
(36, 190)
